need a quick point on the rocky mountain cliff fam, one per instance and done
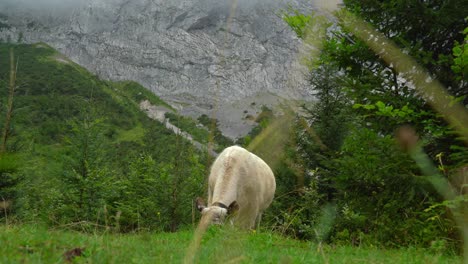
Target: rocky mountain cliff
(202, 56)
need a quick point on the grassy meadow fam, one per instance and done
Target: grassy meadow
(36, 244)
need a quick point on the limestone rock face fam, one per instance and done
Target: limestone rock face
(199, 55)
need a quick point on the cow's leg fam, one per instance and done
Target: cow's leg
(258, 220)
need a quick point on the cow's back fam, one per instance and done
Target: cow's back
(260, 179)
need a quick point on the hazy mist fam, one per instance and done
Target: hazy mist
(43, 5)
(64, 4)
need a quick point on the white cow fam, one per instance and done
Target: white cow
(240, 185)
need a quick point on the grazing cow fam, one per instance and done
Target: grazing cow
(240, 185)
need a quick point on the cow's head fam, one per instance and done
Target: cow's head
(218, 211)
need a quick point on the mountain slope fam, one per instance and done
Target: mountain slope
(85, 148)
(52, 91)
(184, 51)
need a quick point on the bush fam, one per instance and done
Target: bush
(379, 197)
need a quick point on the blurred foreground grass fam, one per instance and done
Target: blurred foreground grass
(33, 244)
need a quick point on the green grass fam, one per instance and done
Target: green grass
(32, 244)
(137, 93)
(135, 134)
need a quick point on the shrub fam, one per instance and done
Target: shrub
(379, 196)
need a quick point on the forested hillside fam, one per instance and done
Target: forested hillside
(83, 151)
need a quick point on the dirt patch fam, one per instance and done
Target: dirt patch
(153, 111)
(61, 59)
(42, 45)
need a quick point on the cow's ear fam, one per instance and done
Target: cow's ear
(233, 207)
(200, 204)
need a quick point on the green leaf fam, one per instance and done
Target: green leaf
(380, 105)
(457, 51)
(456, 68)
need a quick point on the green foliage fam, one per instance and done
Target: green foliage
(86, 182)
(189, 126)
(8, 178)
(213, 125)
(392, 116)
(8, 164)
(38, 192)
(460, 54)
(297, 21)
(431, 22)
(134, 92)
(263, 119)
(344, 153)
(265, 116)
(81, 142)
(383, 110)
(375, 182)
(330, 115)
(297, 213)
(141, 206)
